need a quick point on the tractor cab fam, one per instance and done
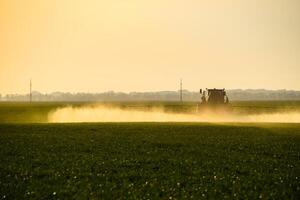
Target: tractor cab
(214, 97)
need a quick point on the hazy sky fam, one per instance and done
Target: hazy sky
(141, 45)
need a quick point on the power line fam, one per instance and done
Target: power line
(180, 90)
(30, 92)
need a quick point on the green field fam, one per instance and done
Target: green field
(146, 160)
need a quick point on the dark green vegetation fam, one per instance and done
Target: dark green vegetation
(38, 111)
(149, 161)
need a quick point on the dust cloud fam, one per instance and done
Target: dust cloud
(102, 113)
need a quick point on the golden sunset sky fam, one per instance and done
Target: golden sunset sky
(141, 45)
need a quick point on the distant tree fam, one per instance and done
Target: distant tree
(154, 96)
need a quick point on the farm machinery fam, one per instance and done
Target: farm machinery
(214, 99)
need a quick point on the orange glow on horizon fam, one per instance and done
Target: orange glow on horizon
(132, 45)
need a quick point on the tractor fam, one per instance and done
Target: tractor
(215, 99)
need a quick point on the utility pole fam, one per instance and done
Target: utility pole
(180, 90)
(30, 92)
